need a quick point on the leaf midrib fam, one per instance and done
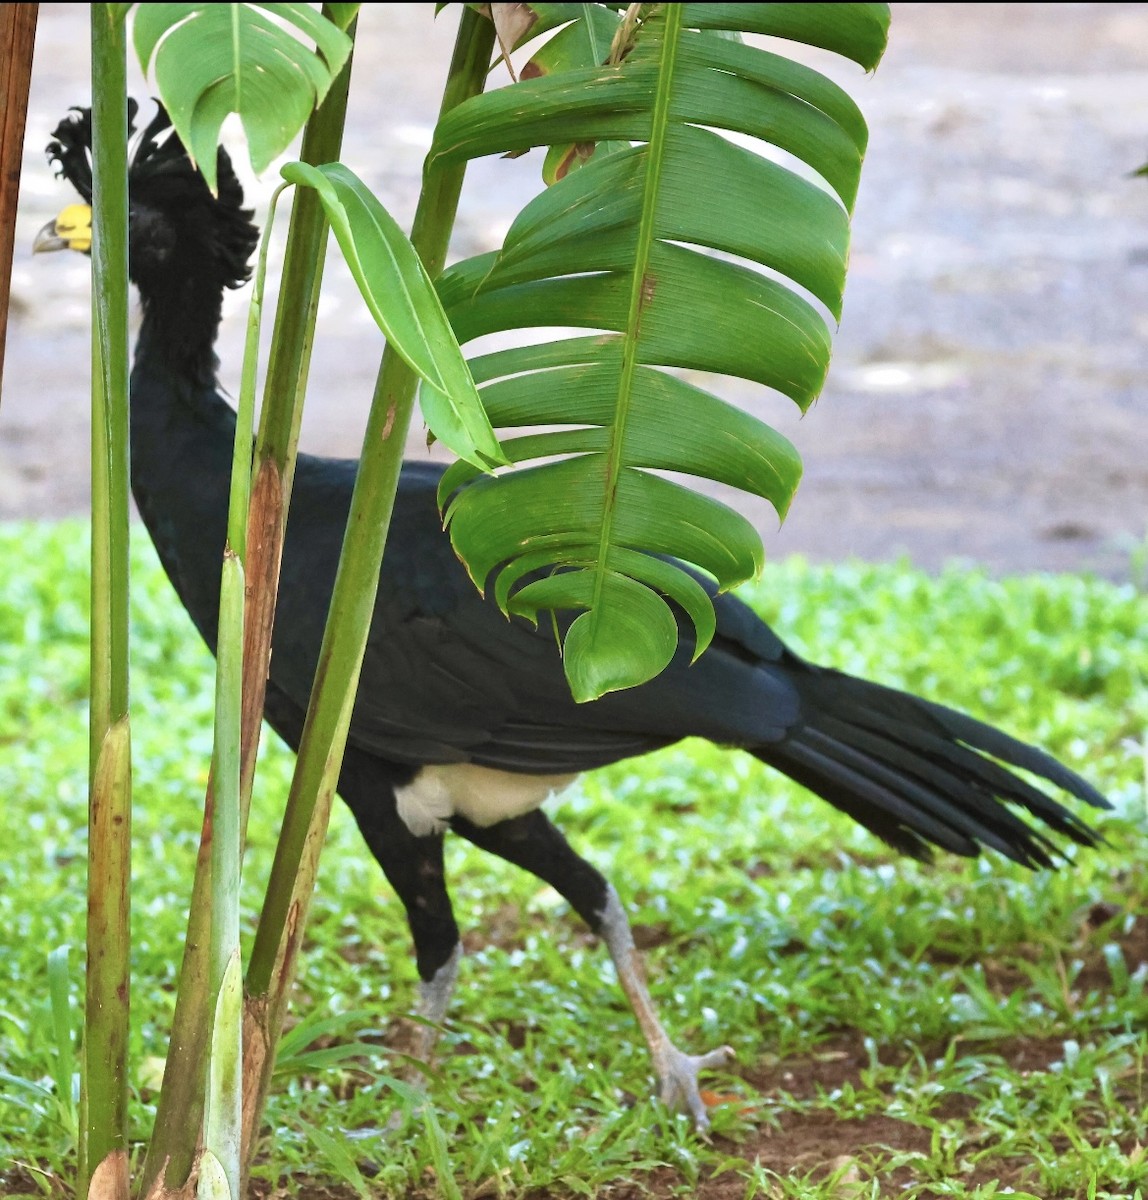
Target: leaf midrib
(659, 125)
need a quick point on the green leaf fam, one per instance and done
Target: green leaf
(741, 450)
(402, 299)
(677, 585)
(63, 1035)
(626, 628)
(694, 250)
(491, 519)
(611, 102)
(585, 42)
(211, 60)
(805, 239)
(315, 1025)
(857, 31)
(343, 14)
(440, 1157)
(769, 333)
(338, 1154)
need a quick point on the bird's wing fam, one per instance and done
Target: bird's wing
(447, 678)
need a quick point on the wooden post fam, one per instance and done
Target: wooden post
(17, 34)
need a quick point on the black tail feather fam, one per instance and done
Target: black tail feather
(1029, 758)
(998, 782)
(917, 774)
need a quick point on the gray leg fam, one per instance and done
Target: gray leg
(414, 867)
(533, 843)
(434, 999)
(677, 1071)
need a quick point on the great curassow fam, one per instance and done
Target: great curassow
(463, 719)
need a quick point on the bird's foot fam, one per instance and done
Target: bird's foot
(419, 1036)
(678, 1080)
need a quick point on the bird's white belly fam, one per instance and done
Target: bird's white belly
(480, 794)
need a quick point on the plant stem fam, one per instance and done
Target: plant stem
(283, 919)
(223, 1101)
(105, 1077)
(104, 1087)
(179, 1114)
(224, 1097)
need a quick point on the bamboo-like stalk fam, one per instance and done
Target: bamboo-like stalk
(17, 34)
(104, 1087)
(281, 925)
(172, 1148)
(104, 1096)
(223, 1098)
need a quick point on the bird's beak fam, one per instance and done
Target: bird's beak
(71, 230)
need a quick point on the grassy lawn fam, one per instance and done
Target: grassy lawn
(960, 1029)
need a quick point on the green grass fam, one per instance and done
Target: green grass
(985, 1025)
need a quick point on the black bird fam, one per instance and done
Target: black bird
(463, 719)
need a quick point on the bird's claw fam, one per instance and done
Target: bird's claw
(678, 1081)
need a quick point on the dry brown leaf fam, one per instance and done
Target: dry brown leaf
(511, 23)
(110, 1178)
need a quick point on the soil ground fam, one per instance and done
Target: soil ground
(987, 397)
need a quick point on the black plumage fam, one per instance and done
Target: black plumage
(459, 710)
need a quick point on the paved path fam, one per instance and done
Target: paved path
(987, 399)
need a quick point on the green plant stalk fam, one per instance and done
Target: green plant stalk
(104, 1092)
(240, 498)
(109, 697)
(294, 333)
(104, 1086)
(219, 1168)
(178, 1116)
(224, 1097)
(283, 918)
(226, 842)
(438, 201)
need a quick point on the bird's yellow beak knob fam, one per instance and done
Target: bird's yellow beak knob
(71, 230)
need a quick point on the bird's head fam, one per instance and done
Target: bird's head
(175, 225)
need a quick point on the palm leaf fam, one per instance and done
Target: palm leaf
(214, 59)
(400, 296)
(636, 247)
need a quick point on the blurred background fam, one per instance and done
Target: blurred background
(987, 398)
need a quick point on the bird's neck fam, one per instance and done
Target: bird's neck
(181, 315)
(182, 435)
(176, 403)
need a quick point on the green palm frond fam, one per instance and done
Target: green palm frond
(210, 60)
(639, 247)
